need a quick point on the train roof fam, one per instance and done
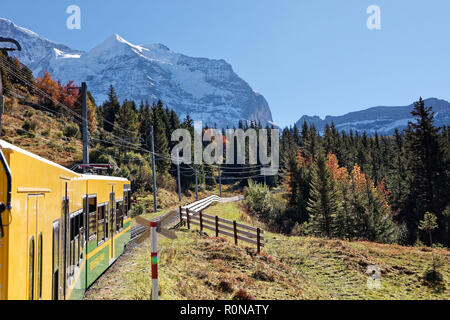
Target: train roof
(98, 177)
(8, 146)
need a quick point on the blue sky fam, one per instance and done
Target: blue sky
(306, 57)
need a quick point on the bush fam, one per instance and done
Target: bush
(72, 131)
(137, 210)
(30, 126)
(242, 295)
(257, 198)
(28, 113)
(269, 208)
(11, 104)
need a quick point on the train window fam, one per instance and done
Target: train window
(39, 265)
(31, 270)
(119, 215)
(55, 260)
(92, 217)
(101, 224)
(75, 227)
(126, 202)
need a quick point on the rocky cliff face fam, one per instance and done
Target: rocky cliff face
(206, 89)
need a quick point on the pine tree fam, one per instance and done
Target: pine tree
(125, 125)
(428, 224)
(428, 187)
(109, 109)
(145, 122)
(323, 204)
(160, 137)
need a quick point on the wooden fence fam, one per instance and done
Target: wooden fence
(233, 229)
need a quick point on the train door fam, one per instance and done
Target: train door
(112, 214)
(35, 205)
(64, 249)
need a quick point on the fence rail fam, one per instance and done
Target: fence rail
(233, 229)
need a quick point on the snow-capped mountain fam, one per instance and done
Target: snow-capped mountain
(206, 89)
(383, 120)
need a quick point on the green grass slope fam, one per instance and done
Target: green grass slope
(199, 266)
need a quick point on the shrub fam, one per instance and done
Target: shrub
(242, 295)
(257, 198)
(137, 210)
(28, 113)
(11, 104)
(70, 148)
(433, 277)
(30, 126)
(72, 131)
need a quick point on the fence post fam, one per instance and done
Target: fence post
(235, 232)
(258, 237)
(217, 226)
(188, 219)
(201, 220)
(181, 217)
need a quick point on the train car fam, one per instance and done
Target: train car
(59, 230)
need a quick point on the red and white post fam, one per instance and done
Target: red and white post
(153, 225)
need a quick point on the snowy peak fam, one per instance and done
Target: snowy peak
(383, 120)
(206, 89)
(35, 49)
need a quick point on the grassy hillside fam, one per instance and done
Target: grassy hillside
(198, 266)
(40, 132)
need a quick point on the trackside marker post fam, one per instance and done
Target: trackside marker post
(154, 227)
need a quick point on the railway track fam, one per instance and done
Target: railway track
(136, 232)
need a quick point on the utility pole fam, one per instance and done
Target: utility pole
(1, 102)
(85, 124)
(196, 183)
(153, 170)
(83, 89)
(5, 51)
(220, 181)
(178, 174)
(264, 175)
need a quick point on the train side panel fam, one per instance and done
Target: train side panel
(64, 229)
(4, 240)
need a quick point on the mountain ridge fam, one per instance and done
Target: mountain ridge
(380, 119)
(206, 89)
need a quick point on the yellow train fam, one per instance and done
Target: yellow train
(60, 230)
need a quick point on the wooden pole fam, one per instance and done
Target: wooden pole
(201, 221)
(258, 239)
(178, 176)
(217, 226)
(235, 233)
(181, 217)
(196, 183)
(188, 219)
(220, 181)
(154, 172)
